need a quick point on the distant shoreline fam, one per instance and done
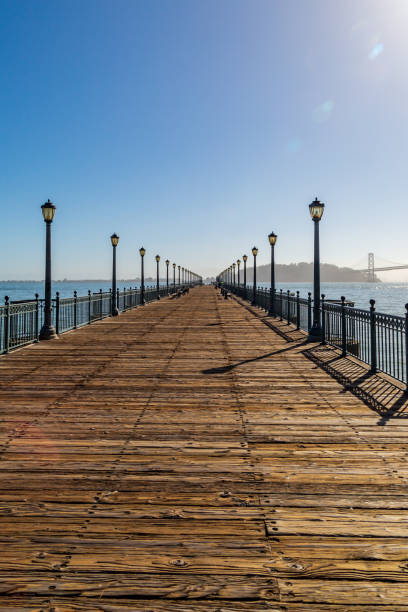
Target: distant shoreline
(301, 272)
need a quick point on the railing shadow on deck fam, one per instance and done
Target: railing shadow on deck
(287, 332)
(381, 394)
(387, 398)
(228, 368)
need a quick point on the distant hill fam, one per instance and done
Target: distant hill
(303, 272)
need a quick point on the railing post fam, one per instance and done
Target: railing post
(297, 310)
(406, 348)
(288, 313)
(118, 298)
(373, 338)
(309, 311)
(281, 304)
(89, 306)
(343, 327)
(100, 304)
(6, 324)
(37, 317)
(57, 312)
(323, 320)
(75, 308)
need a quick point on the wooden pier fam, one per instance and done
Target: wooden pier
(184, 456)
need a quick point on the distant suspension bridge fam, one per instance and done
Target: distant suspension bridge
(372, 268)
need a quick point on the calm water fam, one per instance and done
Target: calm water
(27, 290)
(389, 297)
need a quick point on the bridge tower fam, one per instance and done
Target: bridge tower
(370, 269)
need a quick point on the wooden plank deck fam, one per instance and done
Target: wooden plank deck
(186, 457)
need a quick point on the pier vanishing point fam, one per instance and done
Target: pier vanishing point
(195, 455)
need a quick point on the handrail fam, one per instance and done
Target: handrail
(378, 339)
(21, 321)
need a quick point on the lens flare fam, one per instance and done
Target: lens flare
(323, 112)
(376, 51)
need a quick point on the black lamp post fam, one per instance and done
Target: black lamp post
(238, 264)
(174, 276)
(157, 277)
(316, 209)
(272, 241)
(142, 252)
(254, 253)
(167, 274)
(179, 268)
(245, 259)
(48, 330)
(233, 268)
(114, 241)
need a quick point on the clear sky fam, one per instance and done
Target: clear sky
(196, 127)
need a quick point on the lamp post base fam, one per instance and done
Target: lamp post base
(158, 297)
(48, 333)
(315, 334)
(271, 312)
(115, 312)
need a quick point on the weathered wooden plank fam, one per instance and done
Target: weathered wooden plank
(343, 592)
(337, 528)
(181, 528)
(154, 605)
(49, 509)
(169, 586)
(82, 604)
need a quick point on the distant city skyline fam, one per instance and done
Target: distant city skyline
(196, 128)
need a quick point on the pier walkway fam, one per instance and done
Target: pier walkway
(184, 456)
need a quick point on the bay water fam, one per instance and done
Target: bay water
(390, 297)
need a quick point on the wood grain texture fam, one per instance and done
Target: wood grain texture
(185, 456)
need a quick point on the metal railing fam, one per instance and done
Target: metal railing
(378, 339)
(21, 321)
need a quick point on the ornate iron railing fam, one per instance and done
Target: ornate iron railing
(378, 339)
(20, 322)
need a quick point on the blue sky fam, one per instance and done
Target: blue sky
(196, 127)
